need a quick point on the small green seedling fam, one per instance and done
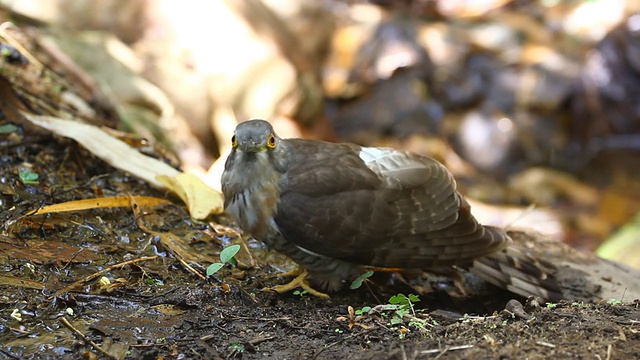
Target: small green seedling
(300, 293)
(226, 256)
(28, 177)
(236, 346)
(399, 308)
(614, 302)
(363, 311)
(358, 281)
(157, 282)
(403, 305)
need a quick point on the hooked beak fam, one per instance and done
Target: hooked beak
(251, 146)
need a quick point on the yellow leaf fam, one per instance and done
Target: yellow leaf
(104, 202)
(201, 199)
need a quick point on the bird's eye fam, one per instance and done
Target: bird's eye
(271, 141)
(234, 143)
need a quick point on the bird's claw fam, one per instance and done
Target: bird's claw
(300, 281)
(295, 272)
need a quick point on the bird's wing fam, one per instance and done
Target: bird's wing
(377, 206)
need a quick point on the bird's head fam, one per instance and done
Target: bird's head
(254, 136)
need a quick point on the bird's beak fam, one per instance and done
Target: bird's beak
(251, 146)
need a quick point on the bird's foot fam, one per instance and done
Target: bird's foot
(300, 281)
(295, 272)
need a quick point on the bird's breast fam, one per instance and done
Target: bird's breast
(254, 209)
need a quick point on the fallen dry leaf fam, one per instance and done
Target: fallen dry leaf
(98, 203)
(201, 199)
(115, 152)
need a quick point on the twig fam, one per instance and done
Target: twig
(284, 318)
(164, 241)
(366, 283)
(261, 338)
(442, 351)
(101, 272)
(82, 297)
(146, 345)
(72, 258)
(16, 44)
(8, 354)
(84, 338)
(23, 332)
(184, 263)
(253, 298)
(544, 343)
(479, 318)
(161, 295)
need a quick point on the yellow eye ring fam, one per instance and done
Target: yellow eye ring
(234, 143)
(271, 141)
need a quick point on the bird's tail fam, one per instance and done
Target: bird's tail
(518, 270)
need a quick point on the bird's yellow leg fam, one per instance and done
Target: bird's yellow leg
(295, 272)
(299, 281)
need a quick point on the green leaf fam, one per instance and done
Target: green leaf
(398, 299)
(364, 310)
(214, 268)
(233, 262)
(229, 252)
(358, 281)
(28, 177)
(7, 128)
(237, 347)
(614, 302)
(414, 298)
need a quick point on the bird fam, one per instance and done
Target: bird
(338, 209)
